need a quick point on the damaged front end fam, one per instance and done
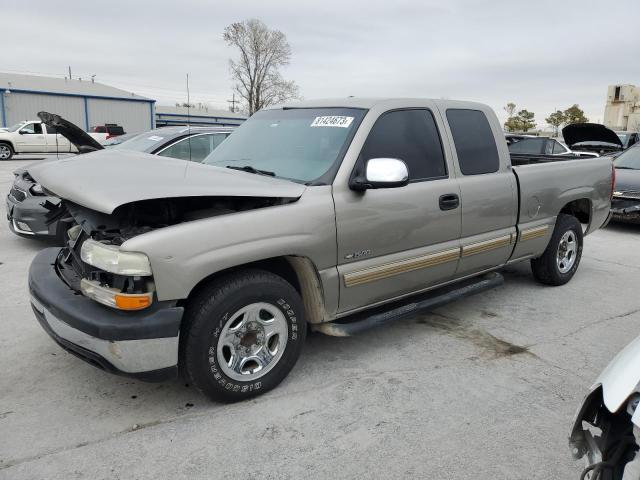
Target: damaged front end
(606, 431)
(608, 441)
(92, 263)
(625, 206)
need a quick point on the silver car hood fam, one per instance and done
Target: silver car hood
(106, 179)
(621, 377)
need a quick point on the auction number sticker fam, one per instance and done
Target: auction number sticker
(332, 121)
(155, 138)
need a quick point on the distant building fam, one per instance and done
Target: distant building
(622, 111)
(198, 115)
(83, 102)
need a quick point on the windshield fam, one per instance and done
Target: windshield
(629, 159)
(143, 142)
(623, 137)
(301, 144)
(16, 127)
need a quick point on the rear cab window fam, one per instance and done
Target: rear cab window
(474, 141)
(411, 136)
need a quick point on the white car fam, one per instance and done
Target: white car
(33, 136)
(606, 431)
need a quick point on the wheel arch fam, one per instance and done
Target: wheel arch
(10, 143)
(299, 271)
(581, 209)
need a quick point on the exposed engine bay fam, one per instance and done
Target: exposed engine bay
(128, 221)
(136, 218)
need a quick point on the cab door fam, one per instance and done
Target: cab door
(31, 138)
(56, 143)
(396, 241)
(488, 190)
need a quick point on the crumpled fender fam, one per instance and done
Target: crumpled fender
(621, 378)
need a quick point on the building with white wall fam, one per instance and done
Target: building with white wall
(622, 111)
(83, 102)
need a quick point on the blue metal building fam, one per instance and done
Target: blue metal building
(83, 102)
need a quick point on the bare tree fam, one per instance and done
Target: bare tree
(256, 72)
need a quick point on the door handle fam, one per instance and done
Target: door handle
(449, 201)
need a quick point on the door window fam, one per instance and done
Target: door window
(32, 129)
(411, 136)
(474, 141)
(528, 146)
(558, 148)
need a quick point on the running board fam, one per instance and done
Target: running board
(360, 322)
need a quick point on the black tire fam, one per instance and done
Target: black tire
(213, 307)
(545, 268)
(6, 147)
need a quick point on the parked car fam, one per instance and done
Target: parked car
(341, 214)
(532, 145)
(27, 200)
(625, 205)
(111, 129)
(606, 430)
(592, 137)
(628, 139)
(36, 137)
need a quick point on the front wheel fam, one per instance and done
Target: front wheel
(559, 262)
(6, 152)
(243, 334)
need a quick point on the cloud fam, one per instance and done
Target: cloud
(542, 55)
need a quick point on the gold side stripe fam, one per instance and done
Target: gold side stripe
(487, 245)
(403, 266)
(532, 233)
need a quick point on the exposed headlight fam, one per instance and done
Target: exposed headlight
(111, 259)
(37, 189)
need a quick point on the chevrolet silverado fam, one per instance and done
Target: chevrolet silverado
(337, 214)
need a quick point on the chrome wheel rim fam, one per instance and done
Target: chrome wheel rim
(252, 342)
(567, 251)
(5, 152)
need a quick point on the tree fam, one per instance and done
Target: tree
(256, 72)
(523, 121)
(556, 119)
(574, 114)
(510, 108)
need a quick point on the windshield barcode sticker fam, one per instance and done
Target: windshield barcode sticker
(332, 121)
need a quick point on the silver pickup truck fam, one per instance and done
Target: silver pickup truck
(335, 214)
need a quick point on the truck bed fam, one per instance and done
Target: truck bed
(528, 159)
(548, 183)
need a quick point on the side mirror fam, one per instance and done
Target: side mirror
(382, 173)
(21, 132)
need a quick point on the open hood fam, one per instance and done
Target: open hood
(104, 180)
(589, 133)
(78, 137)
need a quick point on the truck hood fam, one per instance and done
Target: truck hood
(589, 132)
(107, 179)
(621, 377)
(78, 137)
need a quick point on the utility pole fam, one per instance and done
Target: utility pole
(69, 72)
(233, 102)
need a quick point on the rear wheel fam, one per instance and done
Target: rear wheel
(559, 262)
(6, 152)
(243, 334)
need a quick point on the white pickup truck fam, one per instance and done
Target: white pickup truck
(33, 136)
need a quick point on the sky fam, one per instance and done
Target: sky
(542, 55)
